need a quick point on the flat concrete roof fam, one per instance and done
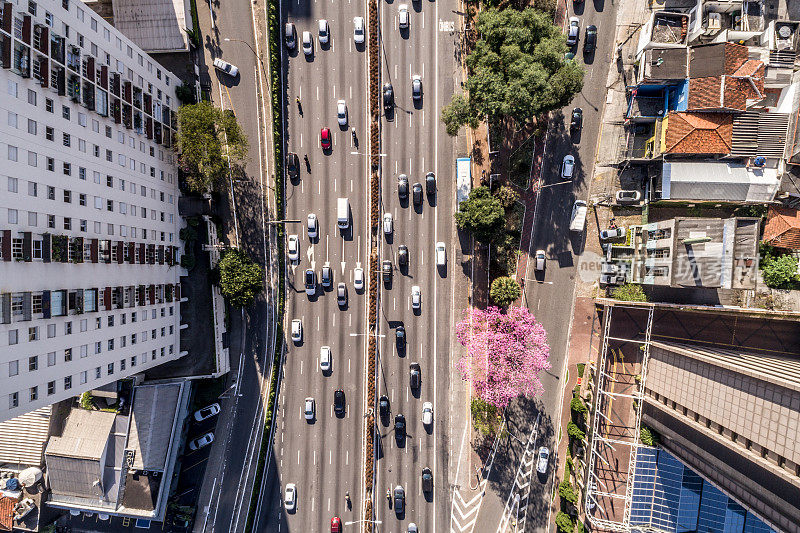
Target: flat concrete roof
(154, 25)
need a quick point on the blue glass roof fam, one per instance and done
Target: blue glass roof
(669, 496)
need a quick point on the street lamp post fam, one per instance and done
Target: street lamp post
(263, 70)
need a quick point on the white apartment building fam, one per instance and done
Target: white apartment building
(89, 281)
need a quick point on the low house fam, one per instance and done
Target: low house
(783, 228)
(718, 181)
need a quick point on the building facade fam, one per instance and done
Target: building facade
(89, 248)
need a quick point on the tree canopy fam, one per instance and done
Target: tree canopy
(504, 290)
(517, 69)
(779, 272)
(240, 279)
(208, 139)
(481, 213)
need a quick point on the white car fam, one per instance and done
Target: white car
(387, 223)
(312, 226)
(412, 528)
(358, 30)
(540, 259)
(206, 412)
(358, 278)
(308, 43)
(309, 411)
(202, 441)
(297, 330)
(543, 459)
(341, 112)
(325, 358)
(573, 31)
(416, 297)
(226, 67)
(290, 497)
(612, 279)
(427, 413)
(293, 246)
(402, 18)
(567, 167)
(324, 32)
(441, 254)
(613, 233)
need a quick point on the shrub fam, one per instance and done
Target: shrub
(630, 292)
(240, 279)
(581, 367)
(486, 417)
(578, 408)
(188, 261)
(574, 432)
(564, 522)
(188, 234)
(86, 401)
(566, 491)
(480, 214)
(507, 196)
(649, 436)
(779, 272)
(504, 291)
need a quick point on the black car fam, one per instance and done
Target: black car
(400, 336)
(430, 183)
(416, 191)
(427, 480)
(576, 123)
(292, 165)
(400, 426)
(414, 375)
(590, 39)
(386, 269)
(338, 401)
(383, 406)
(402, 255)
(388, 97)
(402, 187)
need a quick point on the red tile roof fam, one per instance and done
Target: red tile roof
(699, 133)
(748, 68)
(7, 513)
(704, 93)
(783, 228)
(735, 56)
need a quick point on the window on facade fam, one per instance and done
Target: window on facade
(65, 112)
(33, 333)
(13, 400)
(67, 140)
(51, 388)
(13, 368)
(33, 363)
(68, 383)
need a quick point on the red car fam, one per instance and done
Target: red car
(336, 525)
(325, 138)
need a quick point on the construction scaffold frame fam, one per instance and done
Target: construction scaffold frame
(602, 422)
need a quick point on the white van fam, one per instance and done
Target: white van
(578, 219)
(343, 213)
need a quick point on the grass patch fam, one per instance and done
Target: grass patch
(581, 367)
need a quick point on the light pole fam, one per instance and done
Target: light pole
(263, 70)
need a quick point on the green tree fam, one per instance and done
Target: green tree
(574, 432)
(507, 196)
(240, 279)
(209, 138)
(567, 491)
(564, 522)
(481, 214)
(504, 291)
(779, 272)
(630, 292)
(517, 69)
(486, 417)
(578, 408)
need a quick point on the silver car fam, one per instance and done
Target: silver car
(308, 43)
(573, 31)
(312, 226)
(310, 409)
(293, 248)
(341, 113)
(387, 223)
(324, 32)
(416, 297)
(542, 460)
(403, 18)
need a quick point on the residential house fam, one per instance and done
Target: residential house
(782, 229)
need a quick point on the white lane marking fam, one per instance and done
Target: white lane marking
(317, 322)
(423, 117)
(298, 456)
(348, 366)
(351, 185)
(334, 92)
(301, 367)
(317, 92)
(330, 457)
(315, 457)
(347, 457)
(319, 188)
(422, 256)
(301, 140)
(335, 184)
(394, 304)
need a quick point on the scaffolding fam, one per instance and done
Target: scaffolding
(606, 424)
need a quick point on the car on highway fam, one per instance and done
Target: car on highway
(573, 31)
(399, 426)
(308, 43)
(576, 122)
(201, 441)
(339, 402)
(325, 138)
(539, 259)
(311, 226)
(293, 248)
(310, 280)
(590, 39)
(206, 412)
(441, 254)
(292, 165)
(324, 32)
(628, 197)
(327, 276)
(414, 376)
(402, 186)
(325, 359)
(388, 98)
(416, 87)
(358, 30)
(399, 499)
(386, 270)
(430, 183)
(567, 167)
(412, 528)
(341, 112)
(290, 497)
(310, 409)
(228, 68)
(290, 35)
(416, 297)
(612, 233)
(427, 480)
(612, 279)
(402, 255)
(336, 525)
(543, 458)
(387, 223)
(358, 279)
(427, 413)
(400, 336)
(383, 406)
(403, 17)
(416, 192)
(297, 330)
(341, 294)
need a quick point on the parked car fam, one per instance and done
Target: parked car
(402, 255)
(573, 31)
(327, 276)
(324, 32)
(399, 426)
(228, 68)
(386, 270)
(297, 330)
(383, 406)
(387, 223)
(311, 225)
(201, 441)
(543, 457)
(427, 413)
(339, 402)
(414, 376)
(325, 138)
(628, 197)
(341, 112)
(325, 359)
(430, 183)
(612, 279)
(416, 297)
(416, 87)
(290, 497)
(310, 279)
(576, 122)
(403, 17)
(310, 410)
(590, 39)
(206, 412)
(293, 248)
(416, 192)
(399, 499)
(402, 186)
(567, 167)
(613, 233)
(427, 480)
(290, 35)
(308, 43)
(358, 279)
(540, 259)
(341, 294)
(358, 30)
(388, 98)
(292, 165)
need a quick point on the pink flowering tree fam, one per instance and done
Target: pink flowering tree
(505, 353)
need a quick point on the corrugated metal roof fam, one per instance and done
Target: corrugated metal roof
(151, 424)
(718, 181)
(22, 439)
(85, 435)
(154, 25)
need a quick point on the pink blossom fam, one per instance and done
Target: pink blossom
(505, 353)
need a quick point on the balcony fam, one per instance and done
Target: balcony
(57, 48)
(22, 60)
(74, 88)
(74, 58)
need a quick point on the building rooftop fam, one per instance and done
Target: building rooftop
(716, 59)
(154, 25)
(665, 63)
(23, 438)
(718, 181)
(698, 133)
(85, 435)
(783, 228)
(151, 424)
